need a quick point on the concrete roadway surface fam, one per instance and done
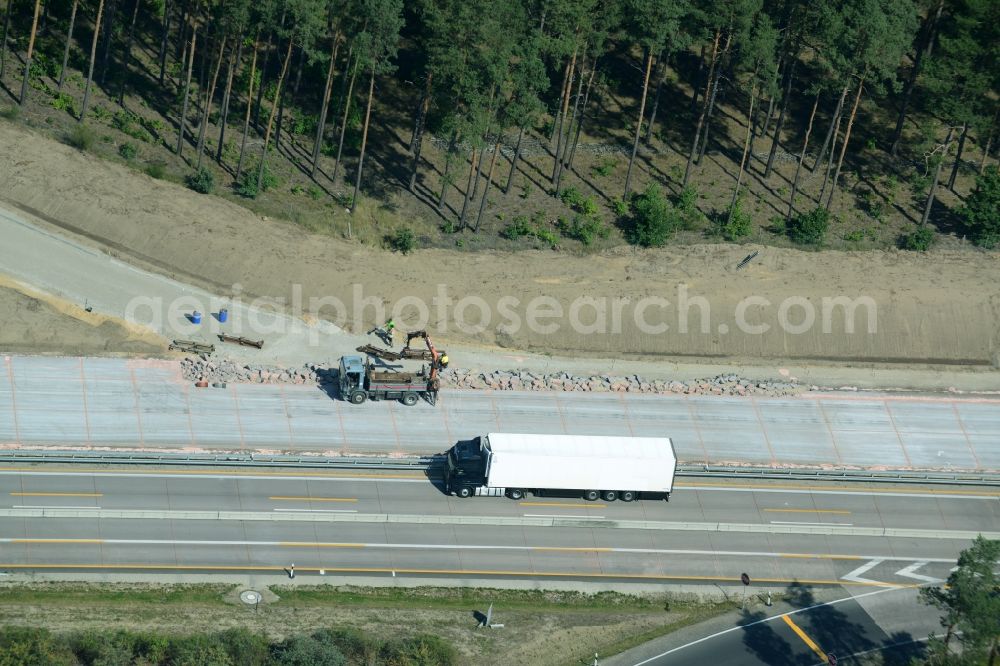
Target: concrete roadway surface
(401, 524)
(130, 403)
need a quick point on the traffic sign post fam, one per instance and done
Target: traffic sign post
(745, 579)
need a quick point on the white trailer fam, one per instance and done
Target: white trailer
(625, 468)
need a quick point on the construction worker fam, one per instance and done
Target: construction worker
(443, 361)
(385, 331)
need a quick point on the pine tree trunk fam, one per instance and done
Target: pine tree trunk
(802, 158)
(93, 57)
(696, 85)
(930, 30)
(562, 94)
(69, 41)
(128, 54)
(780, 124)
(847, 139)
(583, 116)
(263, 73)
(187, 89)
(447, 169)
(164, 36)
(324, 107)
(343, 123)
(31, 51)
(417, 140)
(958, 157)
(270, 118)
(422, 108)
(234, 63)
(298, 75)
(468, 189)
(513, 161)
(661, 67)
(207, 112)
(246, 119)
(561, 158)
(834, 122)
(109, 22)
(562, 116)
(3, 41)
(364, 139)
(711, 101)
(746, 150)
(989, 142)
(937, 176)
(704, 108)
(638, 126)
(489, 182)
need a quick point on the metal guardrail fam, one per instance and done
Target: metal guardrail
(423, 463)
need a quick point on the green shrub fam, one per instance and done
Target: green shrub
(572, 197)
(11, 112)
(315, 193)
(605, 167)
(81, 137)
(100, 113)
(315, 650)
(982, 209)
(298, 189)
(28, 645)
(620, 207)
(547, 237)
(427, 650)
(202, 181)
(516, 228)
(920, 240)
(582, 228)
(128, 150)
(809, 228)
(654, 219)
(738, 224)
(247, 185)
(64, 102)
(687, 203)
(402, 241)
(156, 170)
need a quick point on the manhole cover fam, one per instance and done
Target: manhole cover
(250, 597)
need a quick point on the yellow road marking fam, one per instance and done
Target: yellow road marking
(314, 544)
(448, 572)
(805, 638)
(780, 486)
(211, 472)
(806, 511)
(57, 494)
(57, 541)
(565, 504)
(313, 499)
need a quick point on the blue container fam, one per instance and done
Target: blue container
(195, 317)
(223, 316)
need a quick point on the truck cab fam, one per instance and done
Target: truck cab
(352, 378)
(465, 467)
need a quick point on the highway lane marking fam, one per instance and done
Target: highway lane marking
(17, 494)
(798, 522)
(439, 572)
(855, 575)
(307, 544)
(52, 506)
(930, 493)
(312, 499)
(420, 546)
(317, 510)
(560, 515)
(806, 511)
(805, 638)
(566, 504)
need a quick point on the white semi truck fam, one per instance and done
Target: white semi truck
(592, 467)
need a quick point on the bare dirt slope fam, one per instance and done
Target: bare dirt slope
(38, 323)
(942, 306)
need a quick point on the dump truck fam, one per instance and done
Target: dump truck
(591, 467)
(360, 380)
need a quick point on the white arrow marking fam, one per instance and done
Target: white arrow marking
(864, 568)
(910, 572)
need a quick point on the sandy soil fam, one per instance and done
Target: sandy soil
(941, 306)
(38, 323)
(531, 638)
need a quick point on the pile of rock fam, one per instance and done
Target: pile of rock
(523, 380)
(223, 371)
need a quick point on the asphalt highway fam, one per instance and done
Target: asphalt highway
(401, 524)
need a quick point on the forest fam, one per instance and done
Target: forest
(545, 123)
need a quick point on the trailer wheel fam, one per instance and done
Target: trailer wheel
(409, 399)
(464, 491)
(591, 495)
(357, 397)
(515, 493)
(610, 495)
(628, 495)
